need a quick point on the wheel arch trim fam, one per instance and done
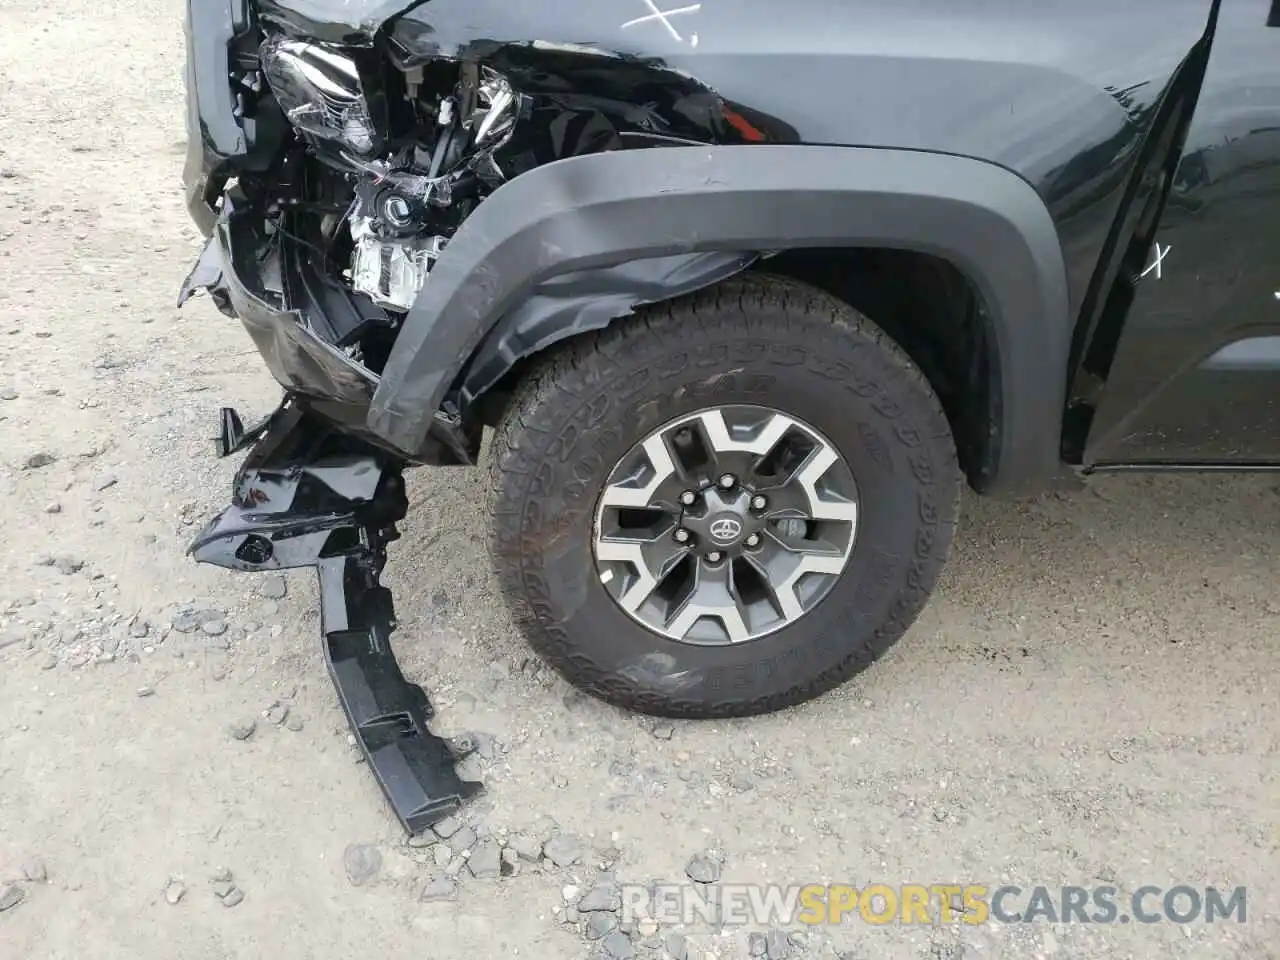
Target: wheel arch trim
(590, 215)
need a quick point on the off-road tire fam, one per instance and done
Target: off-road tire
(753, 340)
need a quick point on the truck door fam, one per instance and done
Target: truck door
(1183, 366)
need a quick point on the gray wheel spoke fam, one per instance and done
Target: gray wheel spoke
(821, 508)
(627, 494)
(725, 525)
(781, 566)
(715, 598)
(764, 439)
(650, 558)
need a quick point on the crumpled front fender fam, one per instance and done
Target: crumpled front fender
(594, 212)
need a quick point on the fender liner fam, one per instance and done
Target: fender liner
(600, 210)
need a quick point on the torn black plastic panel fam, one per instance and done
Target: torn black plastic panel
(590, 300)
(298, 329)
(305, 497)
(594, 212)
(231, 128)
(289, 337)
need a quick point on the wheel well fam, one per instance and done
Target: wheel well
(929, 308)
(935, 314)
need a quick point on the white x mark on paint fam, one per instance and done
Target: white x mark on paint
(1156, 264)
(662, 16)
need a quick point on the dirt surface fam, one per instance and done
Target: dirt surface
(1090, 699)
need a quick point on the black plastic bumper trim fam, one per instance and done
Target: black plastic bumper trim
(306, 496)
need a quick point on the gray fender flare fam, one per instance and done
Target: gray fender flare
(601, 210)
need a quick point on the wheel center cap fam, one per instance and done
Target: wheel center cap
(725, 529)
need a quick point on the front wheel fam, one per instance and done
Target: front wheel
(725, 506)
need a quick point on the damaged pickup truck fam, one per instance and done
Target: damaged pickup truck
(746, 290)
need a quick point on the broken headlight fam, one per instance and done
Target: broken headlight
(320, 92)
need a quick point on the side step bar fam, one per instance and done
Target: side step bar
(308, 497)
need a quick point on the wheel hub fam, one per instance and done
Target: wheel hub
(725, 525)
(721, 519)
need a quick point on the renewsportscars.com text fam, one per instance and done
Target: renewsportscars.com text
(927, 904)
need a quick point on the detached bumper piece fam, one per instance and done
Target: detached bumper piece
(307, 496)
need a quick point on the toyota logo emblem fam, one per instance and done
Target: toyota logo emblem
(726, 529)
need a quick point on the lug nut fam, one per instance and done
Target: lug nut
(714, 556)
(682, 536)
(753, 540)
(688, 498)
(728, 480)
(759, 502)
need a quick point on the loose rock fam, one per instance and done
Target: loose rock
(214, 628)
(441, 888)
(146, 691)
(242, 729)
(486, 860)
(53, 507)
(603, 897)
(174, 891)
(600, 925)
(139, 628)
(703, 870)
(221, 875)
(362, 862)
(664, 731)
(8, 393)
(273, 587)
(563, 850)
(10, 896)
(469, 768)
(277, 713)
(68, 565)
(442, 854)
(618, 946)
(38, 460)
(464, 839)
(528, 848)
(228, 893)
(191, 621)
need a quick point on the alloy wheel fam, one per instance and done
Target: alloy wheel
(725, 525)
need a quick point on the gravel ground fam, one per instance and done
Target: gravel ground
(1088, 699)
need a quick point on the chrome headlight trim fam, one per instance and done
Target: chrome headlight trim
(320, 91)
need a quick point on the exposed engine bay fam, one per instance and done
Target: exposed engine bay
(400, 198)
